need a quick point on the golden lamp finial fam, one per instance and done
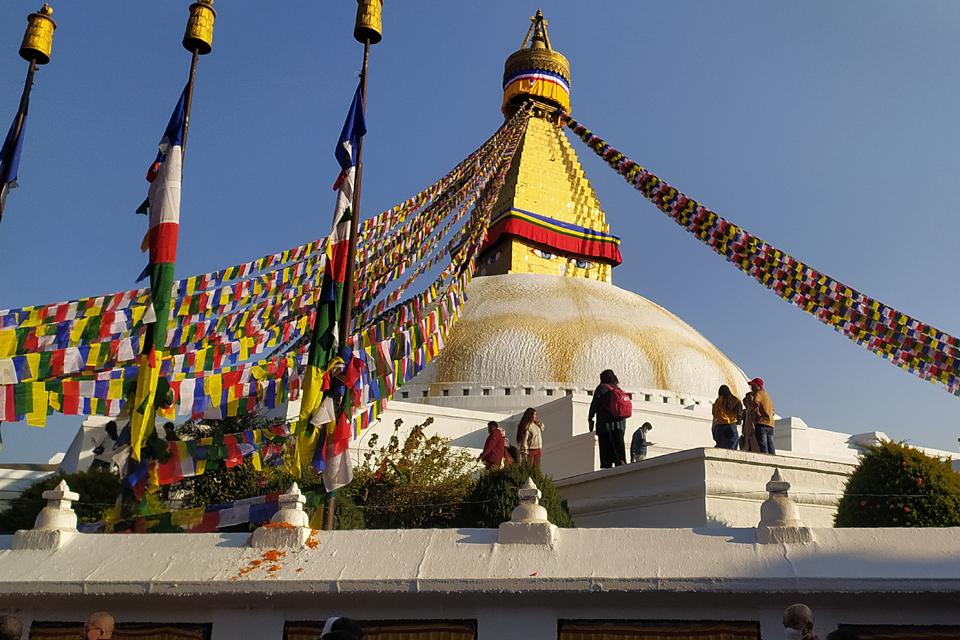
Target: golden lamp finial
(38, 38)
(538, 72)
(369, 25)
(199, 34)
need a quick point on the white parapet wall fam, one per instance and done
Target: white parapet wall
(703, 487)
(507, 590)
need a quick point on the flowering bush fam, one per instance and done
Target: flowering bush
(898, 486)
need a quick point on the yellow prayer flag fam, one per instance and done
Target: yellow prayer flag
(38, 414)
(33, 364)
(77, 330)
(186, 518)
(8, 343)
(213, 387)
(94, 355)
(33, 320)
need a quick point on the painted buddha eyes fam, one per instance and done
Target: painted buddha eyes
(547, 255)
(493, 257)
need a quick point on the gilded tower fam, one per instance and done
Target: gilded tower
(547, 219)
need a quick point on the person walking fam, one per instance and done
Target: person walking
(493, 448)
(610, 428)
(726, 416)
(530, 437)
(748, 441)
(763, 416)
(638, 443)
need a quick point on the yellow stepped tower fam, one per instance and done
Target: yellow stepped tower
(547, 219)
(546, 319)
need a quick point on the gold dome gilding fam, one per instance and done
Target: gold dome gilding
(38, 38)
(504, 338)
(369, 25)
(537, 71)
(199, 34)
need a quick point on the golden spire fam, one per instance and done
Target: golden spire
(538, 71)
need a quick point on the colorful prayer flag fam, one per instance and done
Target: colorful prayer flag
(163, 208)
(10, 158)
(324, 343)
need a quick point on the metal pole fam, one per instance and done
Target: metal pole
(188, 103)
(346, 311)
(22, 110)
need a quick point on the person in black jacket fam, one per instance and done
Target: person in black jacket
(610, 430)
(337, 628)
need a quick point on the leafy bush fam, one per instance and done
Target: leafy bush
(419, 484)
(895, 485)
(495, 495)
(98, 492)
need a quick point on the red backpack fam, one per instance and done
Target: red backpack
(619, 404)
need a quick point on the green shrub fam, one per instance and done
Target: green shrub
(98, 492)
(419, 484)
(494, 496)
(895, 485)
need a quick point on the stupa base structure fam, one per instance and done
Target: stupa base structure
(528, 579)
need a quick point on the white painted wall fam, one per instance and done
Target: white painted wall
(902, 576)
(701, 488)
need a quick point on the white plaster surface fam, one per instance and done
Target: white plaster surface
(471, 561)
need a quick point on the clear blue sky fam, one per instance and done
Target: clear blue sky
(827, 128)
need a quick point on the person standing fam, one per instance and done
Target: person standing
(530, 437)
(749, 439)
(763, 416)
(638, 443)
(726, 416)
(493, 448)
(610, 428)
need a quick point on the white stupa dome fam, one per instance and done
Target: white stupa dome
(537, 330)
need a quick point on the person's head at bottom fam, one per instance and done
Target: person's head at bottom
(10, 628)
(341, 629)
(797, 621)
(99, 626)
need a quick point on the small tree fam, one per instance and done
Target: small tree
(495, 495)
(895, 485)
(98, 492)
(419, 484)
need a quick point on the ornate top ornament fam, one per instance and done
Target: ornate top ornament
(38, 39)
(536, 71)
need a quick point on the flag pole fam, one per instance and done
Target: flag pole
(36, 48)
(368, 30)
(197, 39)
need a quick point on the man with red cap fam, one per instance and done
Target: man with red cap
(762, 416)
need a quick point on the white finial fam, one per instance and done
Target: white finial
(529, 523)
(293, 528)
(291, 508)
(529, 492)
(780, 516)
(56, 523)
(61, 496)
